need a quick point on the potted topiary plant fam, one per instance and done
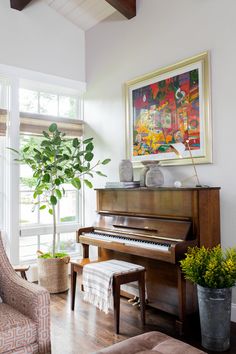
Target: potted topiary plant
(214, 272)
(55, 161)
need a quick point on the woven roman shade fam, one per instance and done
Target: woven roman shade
(3, 121)
(34, 124)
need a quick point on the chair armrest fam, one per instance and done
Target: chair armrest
(33, 301)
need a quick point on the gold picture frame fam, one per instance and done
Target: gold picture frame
(170, 106)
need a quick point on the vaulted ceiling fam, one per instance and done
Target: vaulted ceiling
(84, 13)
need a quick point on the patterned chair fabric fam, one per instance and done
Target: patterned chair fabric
(24, 313)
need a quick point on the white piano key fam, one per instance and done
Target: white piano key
(128, 241)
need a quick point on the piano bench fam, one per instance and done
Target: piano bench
(108, 276)
(77, 268)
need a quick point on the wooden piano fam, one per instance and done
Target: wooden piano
(154, 228)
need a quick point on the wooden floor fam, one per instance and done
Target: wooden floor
(87, 329)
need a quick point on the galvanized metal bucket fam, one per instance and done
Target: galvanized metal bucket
(215, 313)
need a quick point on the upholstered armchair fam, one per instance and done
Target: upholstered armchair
(24, 313)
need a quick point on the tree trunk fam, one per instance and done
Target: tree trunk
(54, 231)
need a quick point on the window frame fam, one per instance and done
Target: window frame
(58, 95)
(16, 78)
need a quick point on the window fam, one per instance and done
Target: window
(47, 103)
(35, 224)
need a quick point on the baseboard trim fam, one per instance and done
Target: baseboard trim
(233, 312)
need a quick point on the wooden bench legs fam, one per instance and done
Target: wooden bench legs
(125, 278)
(77, 267)
(73, 286)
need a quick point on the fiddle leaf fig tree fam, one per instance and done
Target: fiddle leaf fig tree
(58, 161)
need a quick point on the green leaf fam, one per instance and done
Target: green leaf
(83, 168)
(89, 173)
(42, 207)
(37, 174)
(35, 195)
(57, 140)
(52, 128)
(69, 172)
(75, 142)
(29, 162)
(66, 157)
(39, 191)
(58, 193)
(45, 134)
(70, 152)
(46, 178)
(26, 149)
(106, 161)
(99, 173)
(57, 181)
(50, 211)
(53, 200)
(13, 150)
(88, 183)
(86, 141)
(76, 182)
(88, 156)
(89, 147)
(45, 143)
(78, 167)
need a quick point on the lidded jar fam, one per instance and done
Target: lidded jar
(154, 176)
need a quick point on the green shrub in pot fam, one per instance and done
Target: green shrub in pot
(214, 272)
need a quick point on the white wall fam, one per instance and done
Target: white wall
(162, 33)
(39, 39)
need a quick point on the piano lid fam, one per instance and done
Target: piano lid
(173, 230)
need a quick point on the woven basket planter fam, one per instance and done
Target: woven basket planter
(53, 274)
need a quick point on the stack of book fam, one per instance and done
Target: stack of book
(133, 184)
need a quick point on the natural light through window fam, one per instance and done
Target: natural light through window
(48, 103)
(35, 224)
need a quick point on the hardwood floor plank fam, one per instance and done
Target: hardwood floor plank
(86, 329)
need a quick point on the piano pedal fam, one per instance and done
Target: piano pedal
(137, 303)
(134, 299)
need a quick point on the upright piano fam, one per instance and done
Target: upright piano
(154, 228)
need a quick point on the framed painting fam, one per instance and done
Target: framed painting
(170, 109)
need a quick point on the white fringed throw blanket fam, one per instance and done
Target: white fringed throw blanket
(98, 279)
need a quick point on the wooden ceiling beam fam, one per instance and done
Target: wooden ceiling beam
(125, 7)
(19, 4)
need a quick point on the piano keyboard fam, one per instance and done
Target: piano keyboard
(128, 241)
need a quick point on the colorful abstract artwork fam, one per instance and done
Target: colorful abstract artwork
(165, 110)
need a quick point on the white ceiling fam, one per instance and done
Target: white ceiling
(83, 13)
